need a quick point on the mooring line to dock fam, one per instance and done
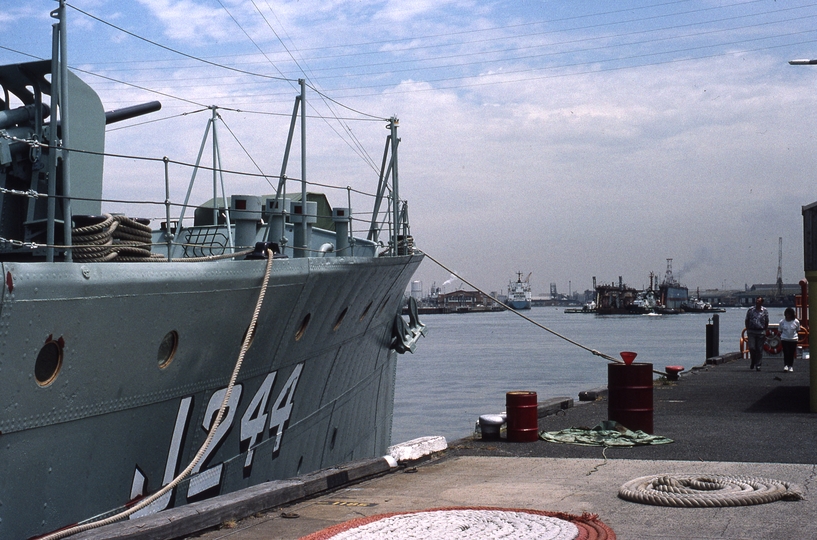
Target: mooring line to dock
(543, 327)
(147, 501)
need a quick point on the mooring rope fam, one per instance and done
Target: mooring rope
(245, 345)
(707, 491)
(113, 237)
(543, 327)
(470, 522)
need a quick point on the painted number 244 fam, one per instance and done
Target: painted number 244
(254, 422)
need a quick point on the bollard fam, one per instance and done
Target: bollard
(490, 426)
(709, 333)
(673, 371)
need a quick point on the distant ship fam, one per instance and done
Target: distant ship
(519, 295)
(695, 305)
(672, 294)
(619, 299)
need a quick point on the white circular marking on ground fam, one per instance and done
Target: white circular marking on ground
(458, 524)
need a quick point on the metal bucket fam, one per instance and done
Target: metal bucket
(629, 395)
(523, 417)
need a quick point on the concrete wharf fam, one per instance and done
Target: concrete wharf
(724, 419)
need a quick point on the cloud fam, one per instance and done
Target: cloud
(189, 21)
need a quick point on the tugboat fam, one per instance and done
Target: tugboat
(694, 305)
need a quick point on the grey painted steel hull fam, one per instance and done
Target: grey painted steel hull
(114, 425)
(519, 304)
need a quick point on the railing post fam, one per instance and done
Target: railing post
(168, 233)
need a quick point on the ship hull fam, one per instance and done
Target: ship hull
(519, 304)
(316, 387)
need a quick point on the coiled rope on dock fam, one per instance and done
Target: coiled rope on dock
(470, 522)
(707, 490)
(535, 323)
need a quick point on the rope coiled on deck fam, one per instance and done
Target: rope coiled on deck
(114, 237)
(707, 490)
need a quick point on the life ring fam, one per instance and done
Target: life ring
(802, 337)
(773, 343)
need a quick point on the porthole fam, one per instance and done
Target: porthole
(340, 319)
(48, 363)
(167, 349)
(302, 329)
(366, 311)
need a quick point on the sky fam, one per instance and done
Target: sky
(564, 140)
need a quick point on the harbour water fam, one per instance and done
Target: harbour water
(467, 362)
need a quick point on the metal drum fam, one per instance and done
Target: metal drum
(523, 417)
(629, 395)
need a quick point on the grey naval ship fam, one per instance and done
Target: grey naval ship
(119, 342)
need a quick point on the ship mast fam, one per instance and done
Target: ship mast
(780, 269)
(668, 277)
(58, 151)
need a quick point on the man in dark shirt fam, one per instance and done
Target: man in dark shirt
(757, 321)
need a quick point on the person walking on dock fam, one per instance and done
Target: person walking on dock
(789, 327)
(757, 321)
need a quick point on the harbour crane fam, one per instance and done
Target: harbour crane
(780, 269)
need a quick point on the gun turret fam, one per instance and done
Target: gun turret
(126, 113)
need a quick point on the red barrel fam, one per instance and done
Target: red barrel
(629, 395)
(523, 417)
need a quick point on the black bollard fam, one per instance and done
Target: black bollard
(709, 339)
(716, 335)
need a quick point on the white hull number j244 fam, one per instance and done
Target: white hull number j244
(255, 422)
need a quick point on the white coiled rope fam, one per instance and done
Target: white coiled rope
(707, 490)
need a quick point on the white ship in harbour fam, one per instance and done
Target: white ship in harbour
(519, 295)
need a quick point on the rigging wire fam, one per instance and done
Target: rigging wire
(99, 75)
(367, 117)
(535, 323)
(517, 36)
(290, 81)
(176, 51)
(516, 80)
(313, 86)
(246, 152)
(154, 120)
(562, 52)
(266, 177)
(602, 37)
(427, 37)
(355, 144)
(427, 87)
